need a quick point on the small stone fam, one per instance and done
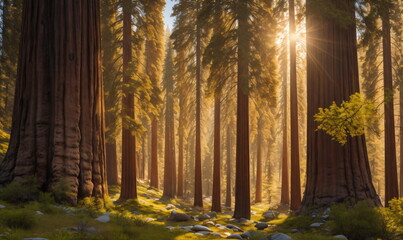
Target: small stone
(187, 228)
(340, 237)
(294, 230)
(135, 213)
(35, 239)
(2, 206)
(280, 236)
(104, 218)
(270, 215)
(198, 228)
(149, 219)
(169, 207)
(209, 223)
(203, 217)
(204, 233)
(246, 234)
(169, 227)
(316, 225)
(38, 213)
(234, 236)
(253, 212)
(212, 214)
(234, 228)
(216, 234)
(227, 234)
(179, 217)
(261, 226)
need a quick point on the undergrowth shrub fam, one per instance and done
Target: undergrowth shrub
(393, 215)
(20, 192)
(358, 222)
(19, 218)
(297, 222)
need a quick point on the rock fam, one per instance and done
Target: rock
(280, 236)
(198, 228)
(149, 219)
(179, 217)
(261, 226)
(135, 213)
(209, 223)
(270, 215)
(294, 230)
(203, 217)
(340, 237)
(204, 233)
(170, 206)
(2, 206)
(234, 236)
(326, 216)
(246, 234)
(169, 227)
(35, 239)
(316, 225)
(226, 234)
(104, 218)
(216, 234)
(234, 228)
(212, 214)
(253, 212)
(38, 213)
(194, 218)
(187, 228)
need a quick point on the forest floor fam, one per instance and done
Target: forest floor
(147, 219)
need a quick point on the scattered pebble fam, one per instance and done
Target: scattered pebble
(340, 237)
(198, 228)
(280, 236)
(261, 225)
(316, 225)
(234, 236)
(38, 213)
(104, 218)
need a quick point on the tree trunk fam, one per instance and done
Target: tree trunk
(285, 186)
(154, 157)
(391, 183)
(180, 157)
(112, 164)
(242, 184)
(258, 193)
(228, 192)
(295, 170)
(128, 187)
(198, 194)
(401, 138)
(216, 201)
(58, 129)
(335, 173)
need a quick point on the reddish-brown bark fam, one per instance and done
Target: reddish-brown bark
(391, 182)
(258, 193)
(129, 185)
(335, 173)
(198, 194)
(285, 185)
(216, 198)
(154, 181)
(242, 174)
(295, 201)
(58, 128)
(228, 195)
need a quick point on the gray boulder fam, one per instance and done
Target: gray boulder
(249, 234)
(270, 215)
(104, 218)
(261, 225)
(187, 228)
(209, 223)
(280, 236)
(170, 206)
(198, 228)
(340, 237)
(38, 213)
(179, 217)
(204, 233)
(316, 225)
(203, 217)
(212, 214)
(234, 236)
(234, 228)
(2, 206)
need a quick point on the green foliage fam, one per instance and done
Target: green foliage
(351, 118)
(4, 138)
(20, 192)
(61, 191)
(393, 215)
(358, 222)
(20, 218)
(297, 222)
(311, 236)
(94, 206)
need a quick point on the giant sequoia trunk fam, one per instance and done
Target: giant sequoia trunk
(391, 184)
(258, 193)
(228, 192)
(216, 201)
(198, 194)
(154, 181)
(401, 138)
(58, 129)
(129, 185)
(285, 185)
(335, 173)
(295, 202)
(242, 175)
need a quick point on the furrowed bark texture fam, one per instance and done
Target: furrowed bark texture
(58, 129)
(335, 173)
(295, 201)
(216, 201)
(242, 184)
(228, 195)
(129, 185)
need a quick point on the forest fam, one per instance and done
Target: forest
(201, 119)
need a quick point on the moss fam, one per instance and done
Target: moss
(300, 222)
(18, 218)
(311, 236)
(20, 192)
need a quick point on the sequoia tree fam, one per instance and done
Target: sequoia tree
(335, 172)
(58, 129)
